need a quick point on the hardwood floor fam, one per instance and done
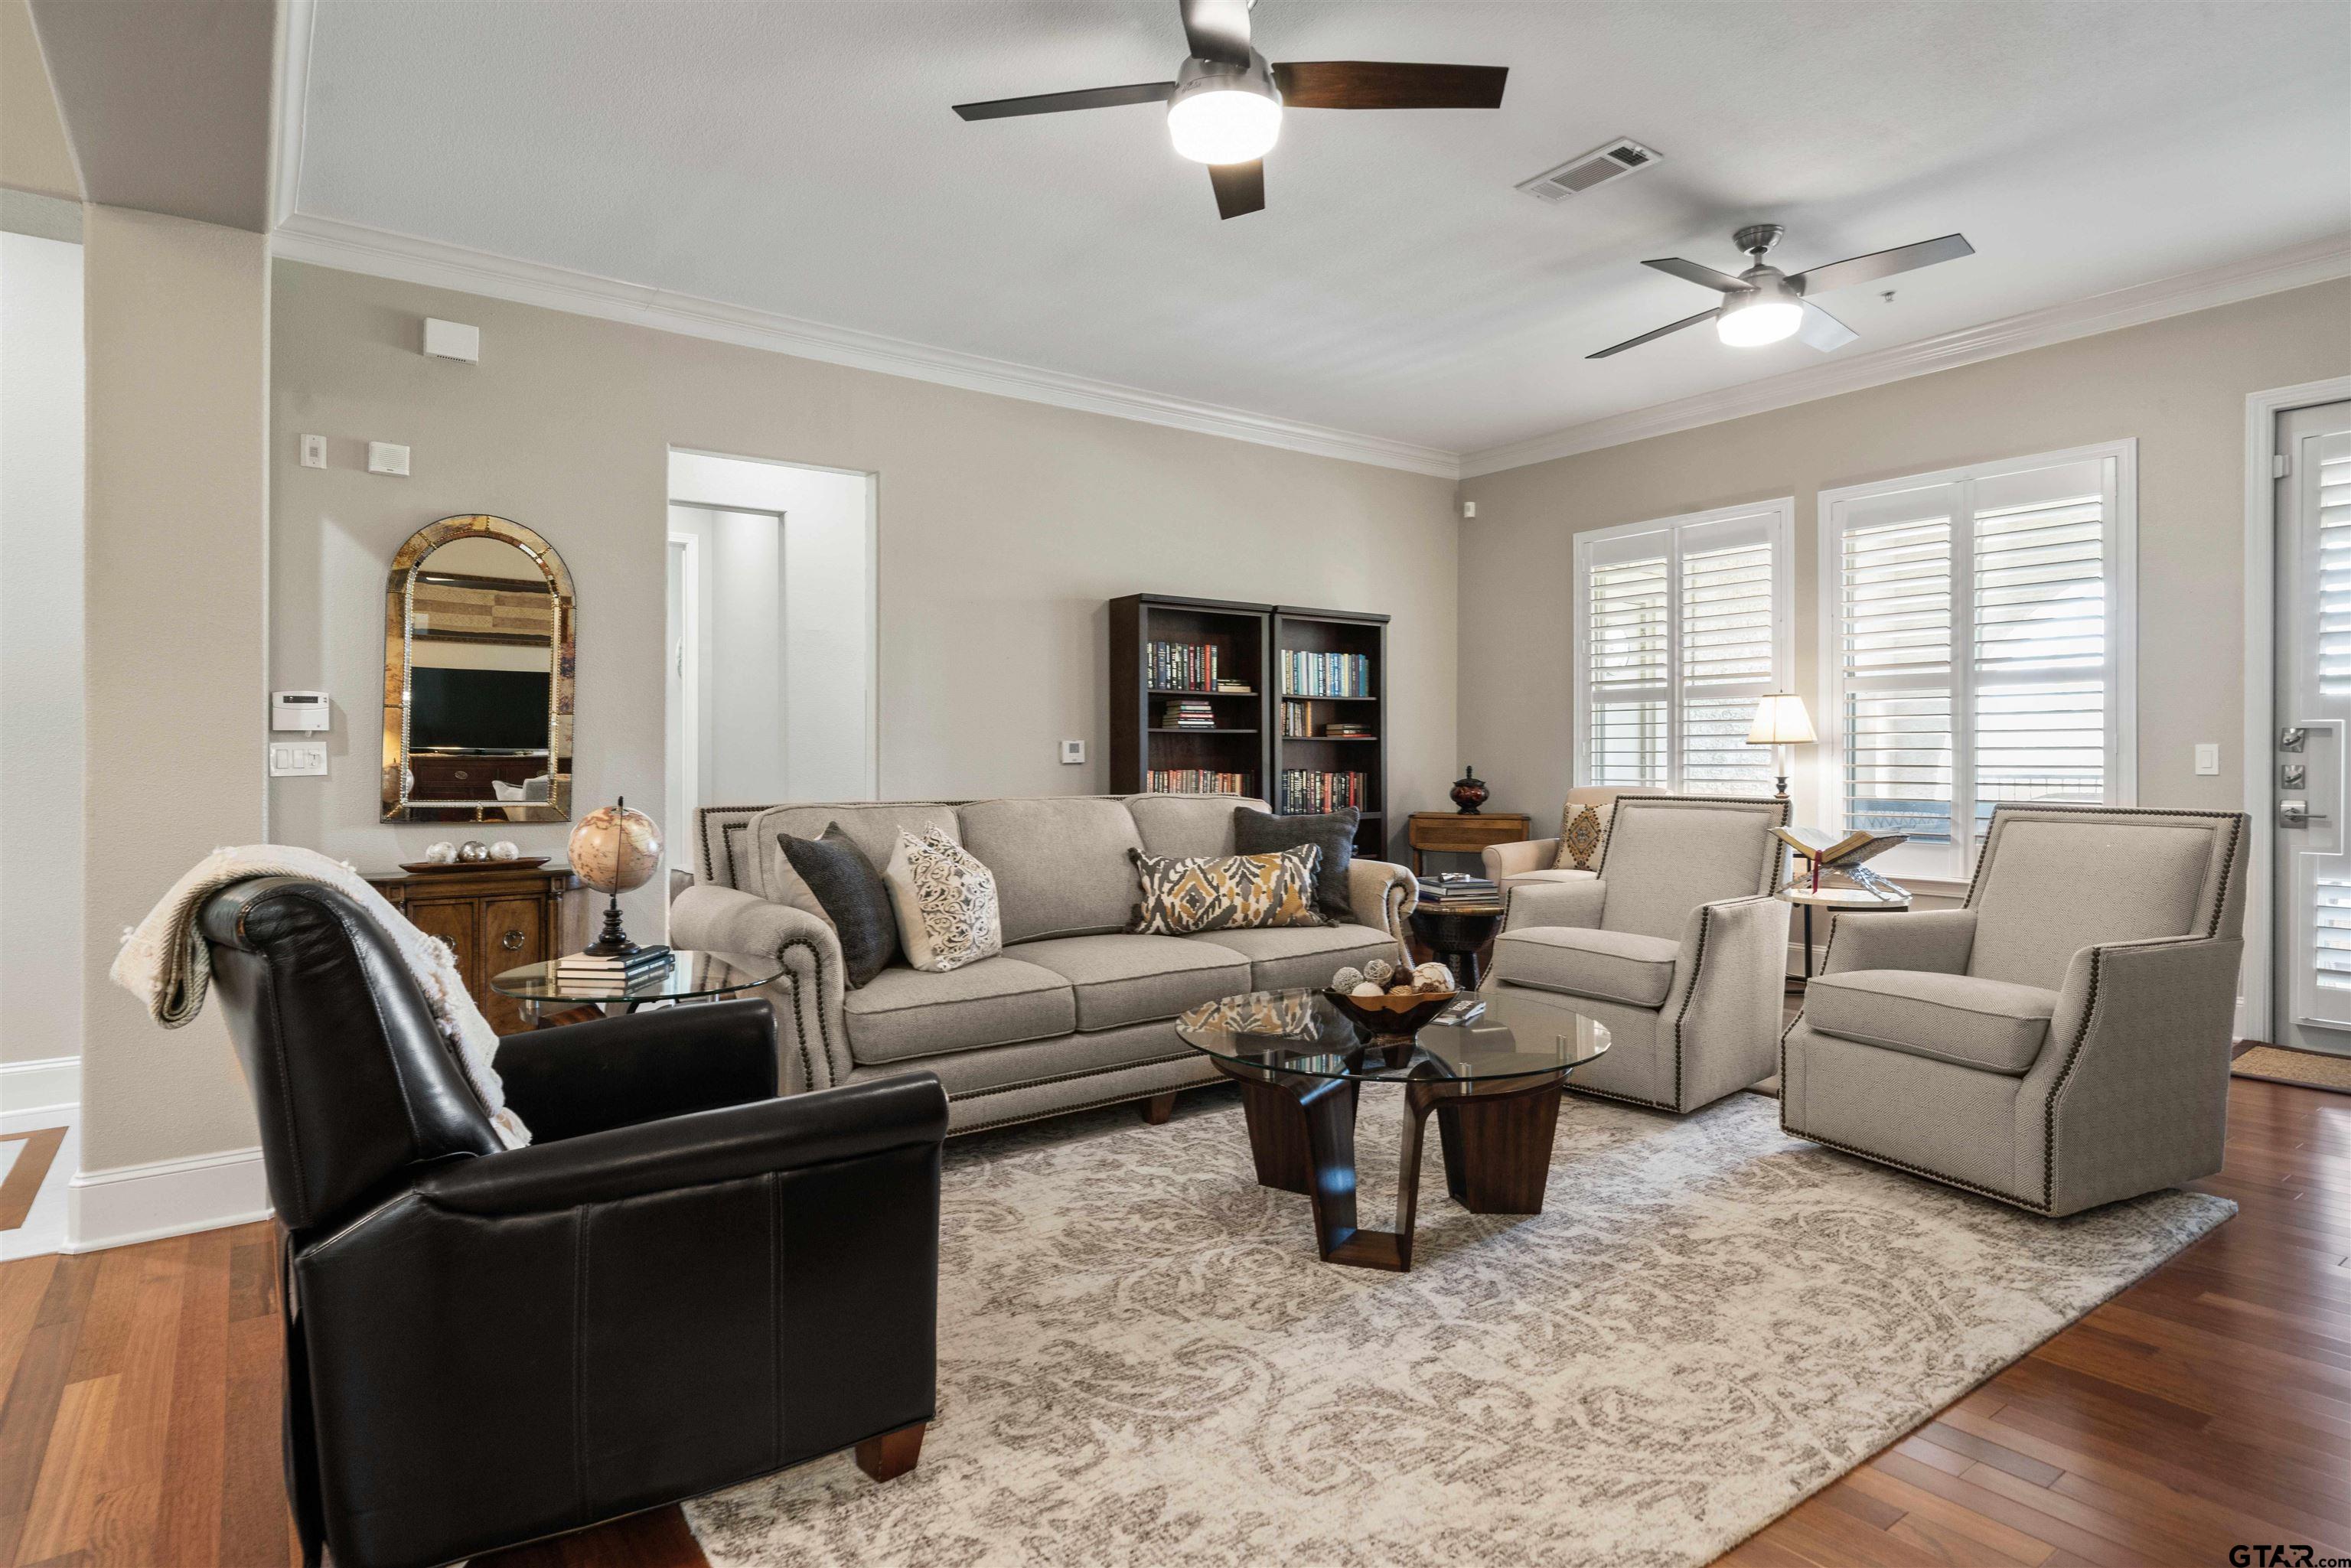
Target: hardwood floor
(2204, 1407)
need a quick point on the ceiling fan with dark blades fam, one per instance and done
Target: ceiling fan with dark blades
(1224, 107)
(1763, 304)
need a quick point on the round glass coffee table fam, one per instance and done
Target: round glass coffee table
(1494, 1084)
(690, 976)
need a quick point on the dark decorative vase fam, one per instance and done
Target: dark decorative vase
(1468, 792)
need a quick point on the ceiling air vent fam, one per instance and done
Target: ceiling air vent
(1609, 161)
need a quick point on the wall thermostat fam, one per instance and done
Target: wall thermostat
(298, 710)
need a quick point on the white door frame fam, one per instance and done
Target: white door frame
(690, 689)
(2263, 409)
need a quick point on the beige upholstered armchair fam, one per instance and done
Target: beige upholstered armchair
(2059, 1043)
(1528, 863)
(1677, 946)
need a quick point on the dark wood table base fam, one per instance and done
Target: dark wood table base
(1496, 1141)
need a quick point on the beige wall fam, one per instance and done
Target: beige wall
(1005, 527)
(2179, 385)
(32, 152)
(177, 338)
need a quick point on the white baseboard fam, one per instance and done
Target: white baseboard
(169, 1197)
(48, 1083)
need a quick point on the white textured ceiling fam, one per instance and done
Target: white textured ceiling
(799, 156)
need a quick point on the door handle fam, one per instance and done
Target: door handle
(2297, 814)
(2291, 738)
(2291, 776)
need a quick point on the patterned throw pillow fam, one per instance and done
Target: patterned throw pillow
(1226, 893)
(1583, 831)
(945, 902)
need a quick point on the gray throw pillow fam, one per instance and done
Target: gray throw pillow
(852, 896)
(1258, 833)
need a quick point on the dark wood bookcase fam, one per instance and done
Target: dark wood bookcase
(1250, 640)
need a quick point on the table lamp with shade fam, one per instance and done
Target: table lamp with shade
(1781, 722)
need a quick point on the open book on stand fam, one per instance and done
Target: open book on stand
(1839, 858)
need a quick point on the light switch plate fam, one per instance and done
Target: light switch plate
(2208, 758)
(314, 451)
(1073, 752)
(298, 759)
(384, 457)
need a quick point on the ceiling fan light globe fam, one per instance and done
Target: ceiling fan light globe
(1757, 321)
(1219, 123)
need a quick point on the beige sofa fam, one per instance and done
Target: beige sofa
(1074, 1012)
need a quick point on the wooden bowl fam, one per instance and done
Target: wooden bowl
(1391, 1017)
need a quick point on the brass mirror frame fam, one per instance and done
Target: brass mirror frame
(398, 655)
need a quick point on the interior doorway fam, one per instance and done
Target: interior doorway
(772, 682)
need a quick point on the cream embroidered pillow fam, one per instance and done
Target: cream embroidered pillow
(945, 900)
(1582, 832)
(1227, 893)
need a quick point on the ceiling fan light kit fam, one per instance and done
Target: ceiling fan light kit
(1221, 115)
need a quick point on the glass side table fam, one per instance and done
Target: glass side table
(690, 976)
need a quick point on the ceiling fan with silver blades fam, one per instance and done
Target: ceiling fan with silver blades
(1763, 304)
(1224, 107)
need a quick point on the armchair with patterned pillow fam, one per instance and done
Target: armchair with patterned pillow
(1572, 854)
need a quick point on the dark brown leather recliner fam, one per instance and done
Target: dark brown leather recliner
(683, 1282)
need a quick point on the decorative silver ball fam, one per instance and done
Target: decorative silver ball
(441, 854)
(472, 849)
(506, 850)
(1347, 980)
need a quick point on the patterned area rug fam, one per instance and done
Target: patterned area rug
(1141, 1361)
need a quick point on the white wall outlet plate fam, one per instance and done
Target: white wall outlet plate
(1073, 751)
(298, 759)
(2208, 757)
(383, 457)
(314, 451)
(453, 340)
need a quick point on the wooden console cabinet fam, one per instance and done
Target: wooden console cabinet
(497, 920)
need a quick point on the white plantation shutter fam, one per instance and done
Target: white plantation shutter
(2331, 930)
(1975, 648)
(1680, 626)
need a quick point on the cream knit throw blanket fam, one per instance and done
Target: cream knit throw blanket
(166, 964)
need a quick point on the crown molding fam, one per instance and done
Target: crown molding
(295, 20)
(353, 247)
(2297, 267)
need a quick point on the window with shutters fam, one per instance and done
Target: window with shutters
(1976, 647)
(1680, 624)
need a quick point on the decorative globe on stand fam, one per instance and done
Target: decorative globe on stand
(614, 849)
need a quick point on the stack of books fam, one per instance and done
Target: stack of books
(1306, 791)
(1194, 781)
(1457, 887)
(1348, 731)
(583, 974)
(1190, 712)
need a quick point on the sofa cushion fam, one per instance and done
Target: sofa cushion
(1061, 862)
(906, 1013)
(1612, 966)
(853, 896)
(1993, 1025)
(874, 827)
(1187, 827)
(1132, 979)
(1284, 955)
(945, 902)
(1258, 833)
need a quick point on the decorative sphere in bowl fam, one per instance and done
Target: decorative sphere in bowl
(1389, 1015)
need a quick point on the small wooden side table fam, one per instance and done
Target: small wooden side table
(1837, 901)
(1463, 832)
(1458, 933)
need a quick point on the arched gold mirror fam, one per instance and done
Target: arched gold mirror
(477, 674)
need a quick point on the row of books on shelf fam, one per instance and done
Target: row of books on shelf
(1298, 724)
(1305, 790)
(1196, 781)
(1192, 667)
(1189, 713)
(1305, 675)
(1457, 887)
